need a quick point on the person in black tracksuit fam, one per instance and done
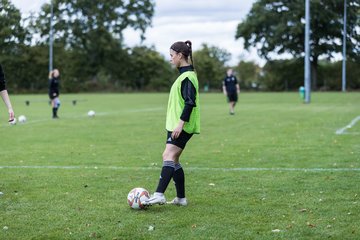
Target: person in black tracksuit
(54, 84)
(231, 89)
(5, 96)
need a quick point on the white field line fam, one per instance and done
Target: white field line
(350, 125)
(190, 168)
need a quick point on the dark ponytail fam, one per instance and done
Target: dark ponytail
(185, 48)
(189, 44)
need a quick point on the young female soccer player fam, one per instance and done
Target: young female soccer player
(182, 121)
(5, 96)
(54, 82)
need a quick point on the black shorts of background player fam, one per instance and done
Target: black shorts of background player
(5, 96)
(231, 89)
(54, 84)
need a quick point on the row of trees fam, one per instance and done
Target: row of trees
(277, 27)
(90, 52)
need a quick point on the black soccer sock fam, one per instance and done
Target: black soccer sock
(167, 173)
(54, 112)
(56, 109)
(179, 179)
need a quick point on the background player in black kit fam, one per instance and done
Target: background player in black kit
(5, 96)
(231, 89)
(54, 82)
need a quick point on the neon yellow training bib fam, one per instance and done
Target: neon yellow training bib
(176, 105)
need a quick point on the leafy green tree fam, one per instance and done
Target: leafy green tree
(331, 77)
(210, 65)
(283, 75)
(248, 74)
(13, 52)
(95, 29)
(278, 27)
(149, 70)
(12, 33)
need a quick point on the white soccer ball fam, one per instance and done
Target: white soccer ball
(91, 113)
(136, 196)
(13, 122)
(22, 119)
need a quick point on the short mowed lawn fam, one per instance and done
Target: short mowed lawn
(275, 170)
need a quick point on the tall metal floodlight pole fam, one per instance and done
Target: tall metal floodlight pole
(307, 52)
(51, 38)
(344, 52)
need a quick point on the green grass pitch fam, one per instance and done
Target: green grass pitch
(275, 170)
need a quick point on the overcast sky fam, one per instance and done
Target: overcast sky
(202, 21)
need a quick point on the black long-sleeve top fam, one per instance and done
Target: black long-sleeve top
(188, 93)
(2, 80)
(54, 83)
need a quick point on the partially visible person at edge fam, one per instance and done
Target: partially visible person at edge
(231, 89)
(5, 96)
(54, 82)
(182, 121)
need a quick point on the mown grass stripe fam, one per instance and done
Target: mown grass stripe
(192, 168)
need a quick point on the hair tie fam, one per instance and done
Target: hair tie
(188, 43)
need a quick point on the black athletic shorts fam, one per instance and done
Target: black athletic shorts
(53, 95)
(181, 141)
(232, 97)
